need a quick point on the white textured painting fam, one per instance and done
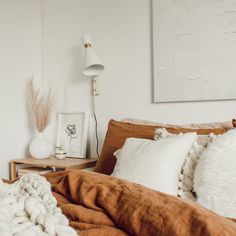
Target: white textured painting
(194, 50)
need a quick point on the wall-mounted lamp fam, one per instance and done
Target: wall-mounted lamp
(92, 67)
(92, 64)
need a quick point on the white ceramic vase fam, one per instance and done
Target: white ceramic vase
(40, 147)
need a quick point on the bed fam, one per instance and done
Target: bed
(98, 203)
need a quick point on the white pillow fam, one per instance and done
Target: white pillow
(154, 164)
(186, 176)
(215, 175)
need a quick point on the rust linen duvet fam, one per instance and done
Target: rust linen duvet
(103, 205)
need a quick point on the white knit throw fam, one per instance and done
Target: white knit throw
(28, 208)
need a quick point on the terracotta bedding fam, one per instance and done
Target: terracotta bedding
(102, 205)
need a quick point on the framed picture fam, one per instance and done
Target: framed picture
(194, 52)
(72, 133)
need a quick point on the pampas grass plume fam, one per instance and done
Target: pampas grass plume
(41, 107)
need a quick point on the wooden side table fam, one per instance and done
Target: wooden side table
(52, 162)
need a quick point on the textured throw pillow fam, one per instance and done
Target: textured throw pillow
(118, 132)
(186, 176)
(215, 175)
(154, 164)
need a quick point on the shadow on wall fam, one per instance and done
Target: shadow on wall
(29, 122)
(76, 77)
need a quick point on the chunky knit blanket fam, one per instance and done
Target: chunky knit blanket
(27, 207)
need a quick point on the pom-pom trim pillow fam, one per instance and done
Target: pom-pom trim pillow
(186, 176)
(154, 164)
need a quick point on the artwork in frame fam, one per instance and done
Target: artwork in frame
(194, 49)
(72, 133)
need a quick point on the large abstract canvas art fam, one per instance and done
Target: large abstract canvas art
(194, 49)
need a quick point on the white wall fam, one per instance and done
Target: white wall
(20, 56)
(122, 38)
(121, 31)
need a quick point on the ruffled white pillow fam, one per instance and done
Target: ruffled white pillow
(186, 176)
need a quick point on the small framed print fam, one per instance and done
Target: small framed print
(72, 133)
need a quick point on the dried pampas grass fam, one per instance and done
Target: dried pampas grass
(41, 107)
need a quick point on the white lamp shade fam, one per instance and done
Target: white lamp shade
(92, 64)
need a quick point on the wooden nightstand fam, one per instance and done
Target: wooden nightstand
(53, 163)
